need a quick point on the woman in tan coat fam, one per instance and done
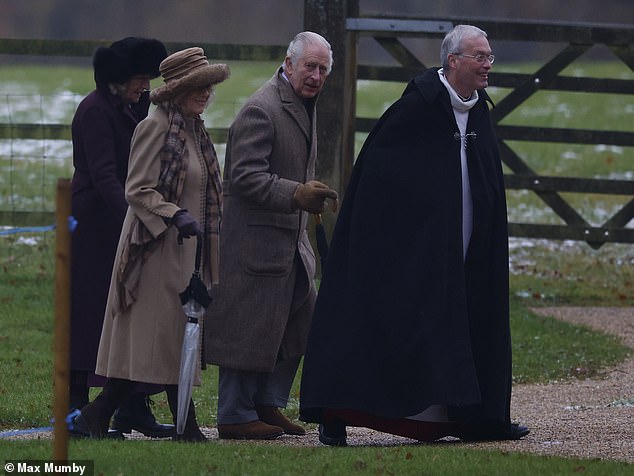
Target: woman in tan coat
(173, 189)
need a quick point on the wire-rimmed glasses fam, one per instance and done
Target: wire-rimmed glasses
(479, 58)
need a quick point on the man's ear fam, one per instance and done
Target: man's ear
(288, 65)
(452, 60)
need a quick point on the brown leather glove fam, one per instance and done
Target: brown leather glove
(311, 196)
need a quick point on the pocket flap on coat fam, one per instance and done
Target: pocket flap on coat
(288, 221)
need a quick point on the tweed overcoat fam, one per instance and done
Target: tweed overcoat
(267, 264)
(102, 129)
(144, 342)
(402, 320)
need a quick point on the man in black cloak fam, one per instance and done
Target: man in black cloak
(410, 333)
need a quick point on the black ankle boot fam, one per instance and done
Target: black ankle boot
(95, 417)
(135, 413)
(333, 433)
(192, 432)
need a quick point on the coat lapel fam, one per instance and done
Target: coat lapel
(294, 106)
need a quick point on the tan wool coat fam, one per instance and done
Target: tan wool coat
(263, 305)
(144, 343)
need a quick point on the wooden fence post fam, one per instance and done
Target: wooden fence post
(337, 103)
(336, 108)
(61, 344)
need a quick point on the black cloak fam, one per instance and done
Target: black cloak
(402, 321)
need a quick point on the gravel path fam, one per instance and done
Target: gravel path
(592, 418)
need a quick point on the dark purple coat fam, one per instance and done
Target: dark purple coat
(402, 321)
(102, 130)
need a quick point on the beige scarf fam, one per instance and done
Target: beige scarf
(139, 242)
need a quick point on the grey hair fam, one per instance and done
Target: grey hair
(116, 89)
(298, 44)
(453, 41)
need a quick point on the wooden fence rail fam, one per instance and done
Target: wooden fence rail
(339, 124)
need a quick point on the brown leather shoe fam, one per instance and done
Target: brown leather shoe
(254, 430)
(273, 416)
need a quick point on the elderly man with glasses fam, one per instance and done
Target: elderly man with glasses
(410, 333)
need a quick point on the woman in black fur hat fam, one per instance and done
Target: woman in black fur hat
(102, 130)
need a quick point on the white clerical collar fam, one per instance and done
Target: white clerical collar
(457, 102)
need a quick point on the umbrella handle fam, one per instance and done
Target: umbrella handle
(199, 250)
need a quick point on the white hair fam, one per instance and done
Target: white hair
(298, 44)
(453, 41)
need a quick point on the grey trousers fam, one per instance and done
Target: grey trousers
(240, 391)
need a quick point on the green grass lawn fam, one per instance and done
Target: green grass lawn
(544, 350)
(251, 458)
(165, 458)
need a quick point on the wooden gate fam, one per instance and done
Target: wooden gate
(577, 40)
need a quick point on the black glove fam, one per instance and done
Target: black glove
(186, 224)
(311, 196)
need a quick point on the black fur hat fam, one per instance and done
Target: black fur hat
(126, 58)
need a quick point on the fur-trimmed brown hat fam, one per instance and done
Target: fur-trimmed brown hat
(126, 58)
(186, 70)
